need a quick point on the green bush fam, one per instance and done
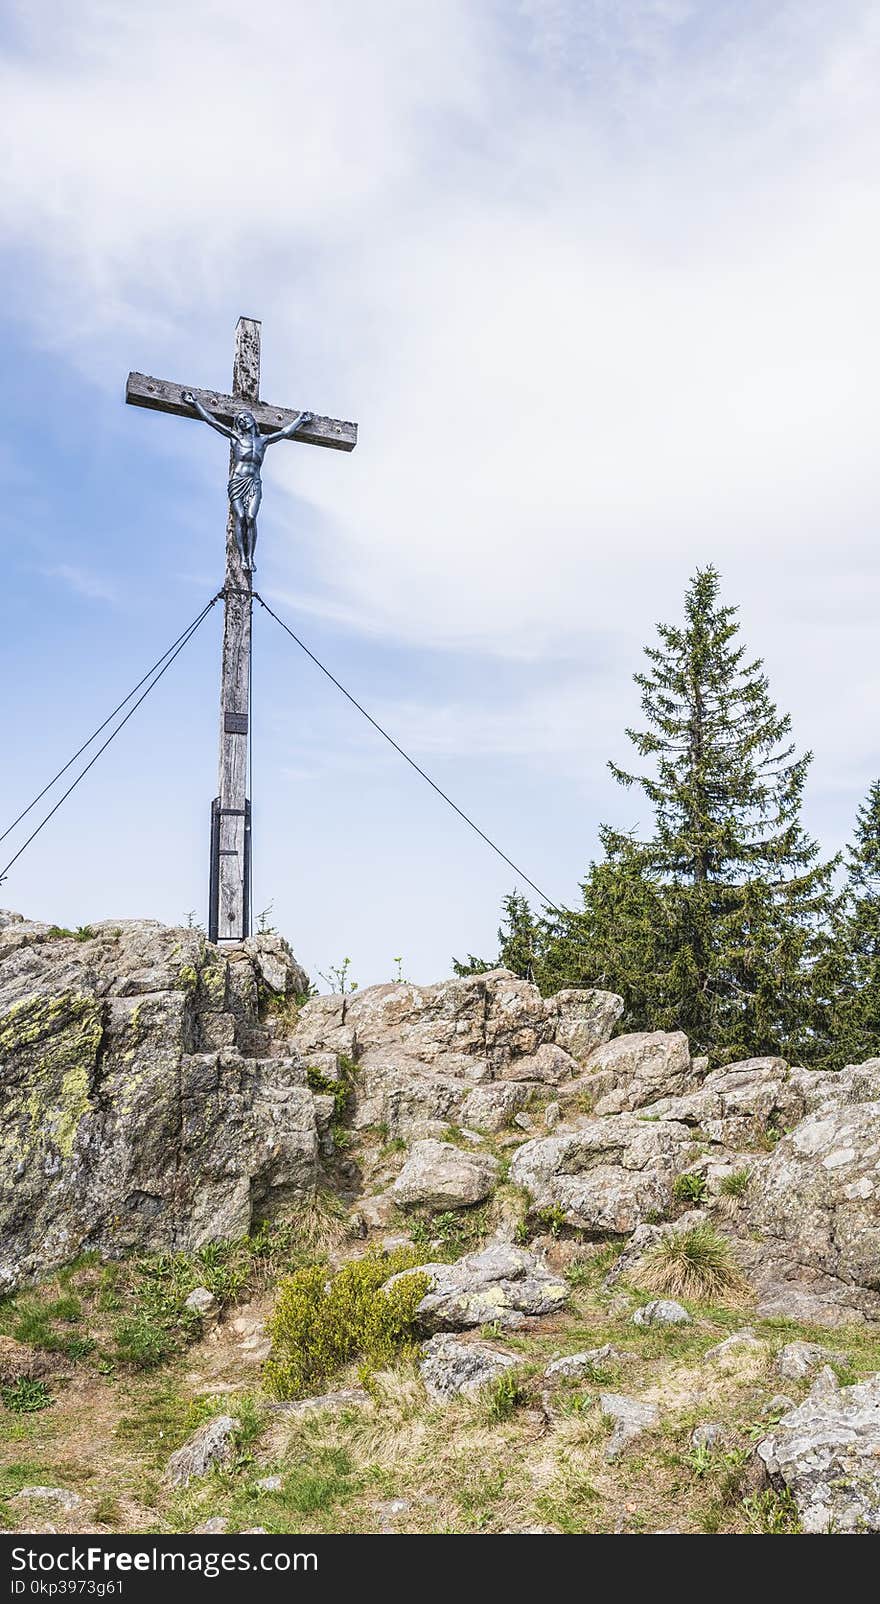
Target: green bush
(320, 1322)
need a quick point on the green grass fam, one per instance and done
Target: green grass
(736, 1184)
(772, 1514)
(696, 1264)
(502, 1397)
(319, 1484)
(162, 1417)
(26, 1397)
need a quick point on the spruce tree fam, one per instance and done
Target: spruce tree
(519, 940)
(856, 979)
(714, 922)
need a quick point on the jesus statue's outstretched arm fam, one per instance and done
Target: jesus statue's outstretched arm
(206, 416)
(291, 428)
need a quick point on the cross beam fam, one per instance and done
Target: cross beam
(160, 396)
(230, 860)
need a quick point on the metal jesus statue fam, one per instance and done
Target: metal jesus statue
(245, 488)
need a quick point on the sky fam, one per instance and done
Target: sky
(598, 281)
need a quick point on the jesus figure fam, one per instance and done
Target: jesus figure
(245, 487)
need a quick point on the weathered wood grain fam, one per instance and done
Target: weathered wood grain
(232, 913)
(159, 395)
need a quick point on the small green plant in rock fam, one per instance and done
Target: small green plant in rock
(772, 1514)
(337, 978)
(452, 1232)
(322, 1321)
(339, 1090)
(696, 1264)
(26, 1396)
(689, 1188)
(552, 1219)
(736, 1184)
(502, 1397)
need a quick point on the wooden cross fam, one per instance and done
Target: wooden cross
(229, 897)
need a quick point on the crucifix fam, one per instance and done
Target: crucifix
(251, 425)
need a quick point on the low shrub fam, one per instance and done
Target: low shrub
(322, 1321)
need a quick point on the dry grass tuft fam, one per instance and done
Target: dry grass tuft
(696, 1264)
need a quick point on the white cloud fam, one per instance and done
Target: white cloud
(597, 281)
(599, 287)
(82, 583)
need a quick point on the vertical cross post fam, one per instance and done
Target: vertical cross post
(229, 911)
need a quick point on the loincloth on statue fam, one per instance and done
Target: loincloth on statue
(242, 485)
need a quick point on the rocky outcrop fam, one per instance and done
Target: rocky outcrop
(62, 1499)
(661, 1312)
(154, 1095)
(141, 1104)
(733, 1106)
(798, 1360)
(583, 1366)
(607, 1176)
(437, 1175)
(635, 1070)
(491, 1107)
(826, 1453)
(422, 1050)
(816, 1202)
(502, 1285)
